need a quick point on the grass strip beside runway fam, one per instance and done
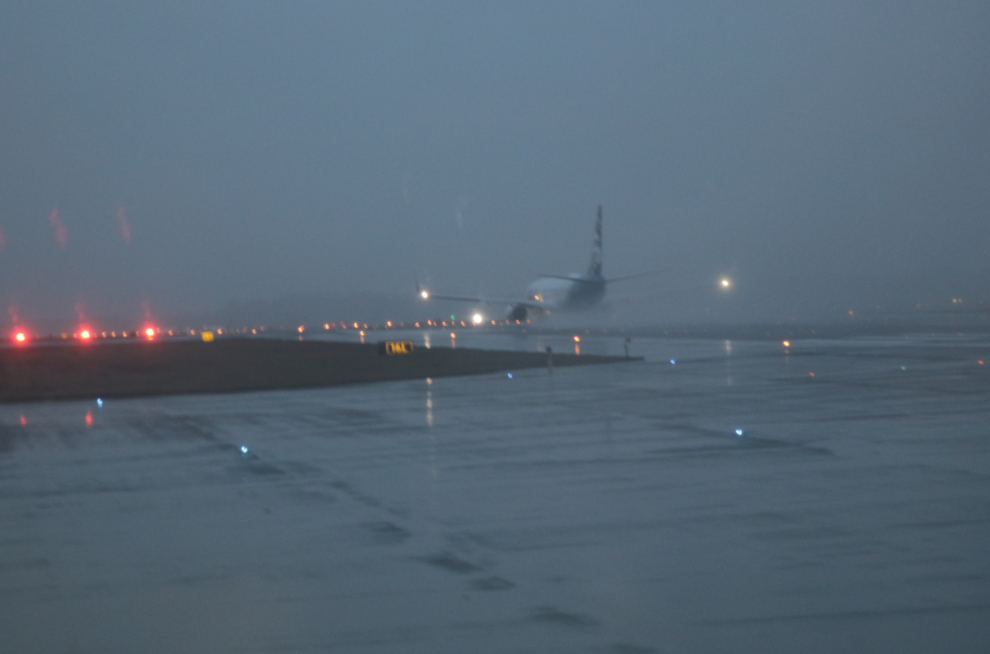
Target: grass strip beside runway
(138, 369)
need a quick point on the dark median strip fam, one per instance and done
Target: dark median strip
(179, 367)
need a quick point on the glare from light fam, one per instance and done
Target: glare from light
(453, 335)
(244, 449)
(787, 343)
(577, 339)
(150, 332)
(85, 335)
(20, 337)
(739, 432)
(301, 329)
(424, 294)
(477, 319)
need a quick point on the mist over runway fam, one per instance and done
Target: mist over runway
(596, 509)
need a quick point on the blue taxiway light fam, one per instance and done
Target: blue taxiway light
(99, 402)
(510, 375)
(672, 362)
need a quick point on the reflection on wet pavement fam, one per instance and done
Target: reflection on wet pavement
(731, 501)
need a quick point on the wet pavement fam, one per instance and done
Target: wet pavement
(720, 496)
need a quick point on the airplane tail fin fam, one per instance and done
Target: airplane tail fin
(595, 267)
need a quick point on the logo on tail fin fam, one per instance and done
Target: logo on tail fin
(595, 267)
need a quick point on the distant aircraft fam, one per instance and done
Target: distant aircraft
(553, 293)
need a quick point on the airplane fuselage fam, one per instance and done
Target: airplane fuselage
(573, 293)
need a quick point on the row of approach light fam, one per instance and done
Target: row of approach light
(21, 336)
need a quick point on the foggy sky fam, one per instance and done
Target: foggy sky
(178, 158)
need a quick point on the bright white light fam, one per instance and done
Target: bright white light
(425, 295)
(99, 402)
(725, 282)
(244, 449)
(477, 318)
(739, 432)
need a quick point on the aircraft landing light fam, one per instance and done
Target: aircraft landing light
(477, 319)
(424, 294)
(725, 283)
(20, 337)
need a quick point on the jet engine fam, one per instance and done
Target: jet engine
(518, 312)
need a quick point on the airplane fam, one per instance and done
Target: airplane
(553, 293)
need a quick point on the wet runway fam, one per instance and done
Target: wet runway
(604, 509)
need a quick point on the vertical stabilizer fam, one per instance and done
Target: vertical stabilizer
(595, 267)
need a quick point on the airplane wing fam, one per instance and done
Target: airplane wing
(642, 274)
(529, 304)
(581, 280)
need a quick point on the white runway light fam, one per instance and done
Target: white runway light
(244, 449)
(739, 432)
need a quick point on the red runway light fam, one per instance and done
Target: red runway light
(149, 332)
(20, 337)
(85, 335)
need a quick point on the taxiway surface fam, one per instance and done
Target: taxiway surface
(607, 509)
